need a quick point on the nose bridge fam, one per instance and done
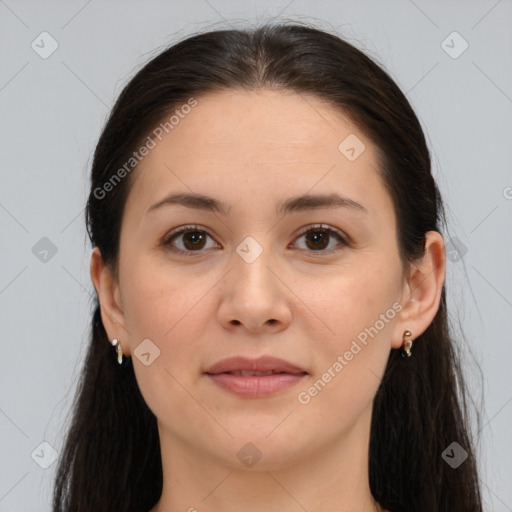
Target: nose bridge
(252, 261)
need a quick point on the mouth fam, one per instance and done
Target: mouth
(255, 378)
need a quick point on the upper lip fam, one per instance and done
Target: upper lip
(262, 364)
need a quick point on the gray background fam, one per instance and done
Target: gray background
(52, 110)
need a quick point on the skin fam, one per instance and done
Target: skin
(252, 150)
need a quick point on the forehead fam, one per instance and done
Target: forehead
(258, 143)
(279, 121)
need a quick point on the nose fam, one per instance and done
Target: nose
(254, 297)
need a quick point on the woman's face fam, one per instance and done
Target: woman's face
(259, 279)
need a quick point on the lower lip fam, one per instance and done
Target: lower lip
(255, 386)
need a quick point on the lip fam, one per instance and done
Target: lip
(285, 375)
(262, 364)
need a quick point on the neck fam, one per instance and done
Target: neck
(329, 477)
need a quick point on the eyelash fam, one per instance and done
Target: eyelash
(167, 242)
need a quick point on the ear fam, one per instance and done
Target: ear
(109, 297)
(422, 290)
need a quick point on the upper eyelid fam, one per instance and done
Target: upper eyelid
(319, 227)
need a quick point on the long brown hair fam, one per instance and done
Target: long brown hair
(111, 458)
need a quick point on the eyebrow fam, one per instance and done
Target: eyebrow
(293, 204)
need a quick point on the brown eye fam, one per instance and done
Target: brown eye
(191, 240)
(318, 238)
(187, 240)
(194, 239)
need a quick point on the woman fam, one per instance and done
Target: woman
(271, 325)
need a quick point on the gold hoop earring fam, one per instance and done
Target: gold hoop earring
(407, 344)
(116, 343)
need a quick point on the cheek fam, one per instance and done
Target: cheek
(155, 296)
(360, 309)
(172, 308)
(355, 300)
